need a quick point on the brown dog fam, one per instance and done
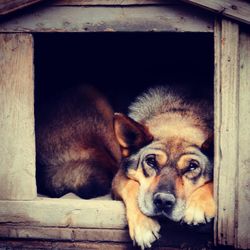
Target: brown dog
(76, 147)
(167, 165)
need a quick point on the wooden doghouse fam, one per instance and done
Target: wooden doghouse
(30, 222)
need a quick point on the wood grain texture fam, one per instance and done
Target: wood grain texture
(92, 19)
(243, 189)
(170, 237)
(60, 245)
(226, 129)
(7, 6)
(110, 2)
(85, 220)
(64, 213)
(232, 112)
(60, 233)
(217, 117)
(238, 10)
(17, 147)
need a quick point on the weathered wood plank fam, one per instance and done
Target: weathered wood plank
(59, 233)
(232, 138)
(91, 19)
(238, 10)
(110, 2)
(226, 129)
(170, 237)
(243, 189)
(56, 245)
(217, 117)
(7, 6)
(17, 147)
(64, 213)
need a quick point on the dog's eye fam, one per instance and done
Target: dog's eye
(193, 170)
(151, 161)
(193, 165)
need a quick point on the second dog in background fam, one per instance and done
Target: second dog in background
(76, 147)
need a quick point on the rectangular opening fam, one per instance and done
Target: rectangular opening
(123, 65)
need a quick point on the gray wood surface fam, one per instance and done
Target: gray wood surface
(7, 6)
(64, 233)
(243, 188)
(75, 213)
(91, 19)
(17, 147)
(170, 238)
(238, 10)
(55, 245)
(226, 128)
(110, 2)
(232, 102)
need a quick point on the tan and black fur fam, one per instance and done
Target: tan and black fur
(76, 147)
(167, 165)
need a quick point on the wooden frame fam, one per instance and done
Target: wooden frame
(17, 178)
(80, 220)
(232, 88)
(8, 6)
(237, 10)
(144, 18)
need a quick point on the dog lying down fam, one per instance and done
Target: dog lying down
(161, 156)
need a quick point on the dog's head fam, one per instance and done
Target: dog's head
(168, 161)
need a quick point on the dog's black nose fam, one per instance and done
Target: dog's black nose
(164, 201)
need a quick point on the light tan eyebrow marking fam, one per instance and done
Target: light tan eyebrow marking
(161, 158)
(185, 158)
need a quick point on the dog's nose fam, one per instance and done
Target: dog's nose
(164, 201)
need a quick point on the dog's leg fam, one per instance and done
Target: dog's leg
(143, 230)
(201, 207)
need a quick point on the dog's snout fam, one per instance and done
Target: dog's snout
(164, 201)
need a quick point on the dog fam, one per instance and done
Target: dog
(167, 162)
(76, 146)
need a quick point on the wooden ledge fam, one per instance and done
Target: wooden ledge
(64, 213)
(85, 223)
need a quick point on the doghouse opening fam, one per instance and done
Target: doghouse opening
(122, 65)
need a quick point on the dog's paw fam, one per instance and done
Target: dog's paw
(195, 215)
(143, 230)
(200, 208)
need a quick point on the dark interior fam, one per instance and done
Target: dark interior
(122, 65)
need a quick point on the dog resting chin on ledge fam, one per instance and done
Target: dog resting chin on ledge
(167, 165)
(160, 157)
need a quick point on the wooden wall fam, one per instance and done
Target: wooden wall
(17, 136)
(232, 110)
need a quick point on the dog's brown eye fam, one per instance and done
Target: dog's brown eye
(192, 166)
(151, 161)
(193, 170)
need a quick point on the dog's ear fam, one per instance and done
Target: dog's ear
(207, 146)
(130, 134)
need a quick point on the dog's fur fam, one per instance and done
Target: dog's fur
(76, 147)
(167, 164)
